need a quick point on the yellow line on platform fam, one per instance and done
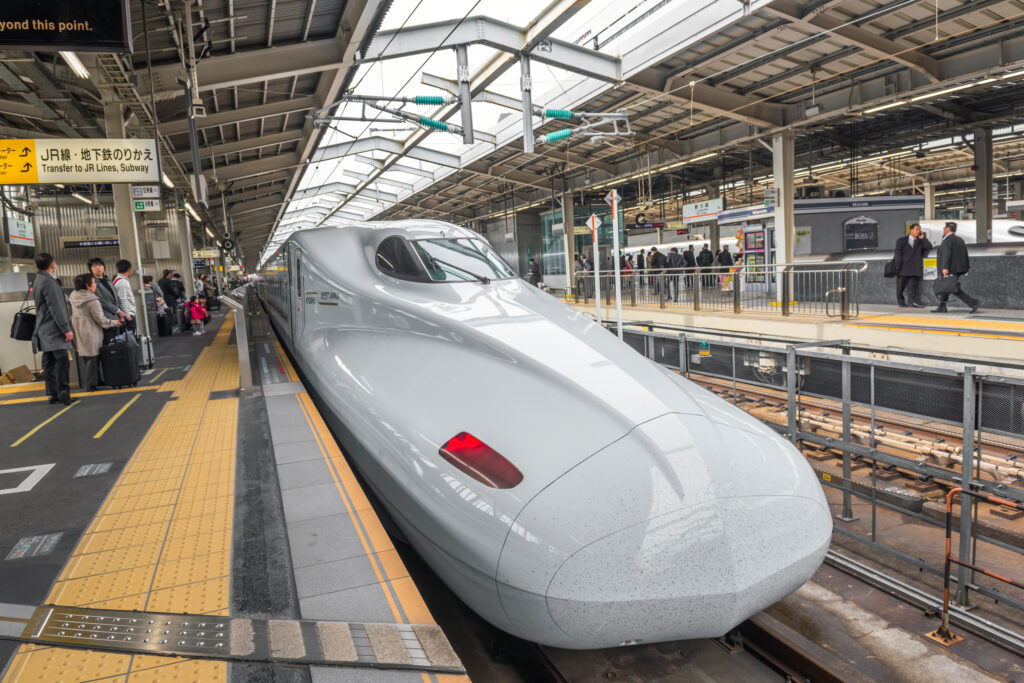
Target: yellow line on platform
(156, 377)
(118, 414)
(80, 394)
(43, 424)
(24, 386)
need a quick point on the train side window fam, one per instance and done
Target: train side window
(395, 258)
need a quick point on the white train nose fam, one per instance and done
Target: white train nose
(681, 529)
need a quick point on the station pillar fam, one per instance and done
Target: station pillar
(783, 167)
(983, 184)
(124, 215)
(929, 202)
(570, 242)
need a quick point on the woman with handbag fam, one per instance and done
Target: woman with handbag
(88, 321)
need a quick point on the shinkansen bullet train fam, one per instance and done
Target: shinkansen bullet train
(569, 490)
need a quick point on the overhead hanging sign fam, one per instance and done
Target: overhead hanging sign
(698, 212)
(78, 160)
(52, 25)
(20, 232)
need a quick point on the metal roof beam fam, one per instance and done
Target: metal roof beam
(255, 205)
(388, 145)
(225, 117)
(258, 167)
(243, 145)
(248, 67)
(720, 101)
(329, 188)
(412, 40)
(866, 40)
(382, 180)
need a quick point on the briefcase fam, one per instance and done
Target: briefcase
(890, 268)
(24, 325)
(945, 285)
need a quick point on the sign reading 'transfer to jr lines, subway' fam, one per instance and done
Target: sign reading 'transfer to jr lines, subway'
(78, 160)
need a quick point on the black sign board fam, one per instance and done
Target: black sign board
(860, 233)
(85, 244)
(77, 25)
(646, 226)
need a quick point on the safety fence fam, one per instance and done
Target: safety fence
(812, 288)
(906, 431)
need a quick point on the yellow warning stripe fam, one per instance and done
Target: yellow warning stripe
(111, 421)
(162, 538)
(80, 394)
(42, 424)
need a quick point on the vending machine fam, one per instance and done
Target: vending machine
(758, 250)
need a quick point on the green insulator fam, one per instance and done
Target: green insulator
(558, 113)
(558, 135)
(429, 99)
(432, 123)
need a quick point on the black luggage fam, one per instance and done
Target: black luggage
(184, 324)
(119, 362)
(165, 323)
(213, 304)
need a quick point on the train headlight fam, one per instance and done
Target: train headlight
(475, 458)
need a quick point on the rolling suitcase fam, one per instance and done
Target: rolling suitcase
(213, 304)
(146, 355)
(119, 362)
(165, 323)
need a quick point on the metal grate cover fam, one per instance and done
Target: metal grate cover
(393, 646)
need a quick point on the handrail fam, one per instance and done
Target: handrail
(942, 634)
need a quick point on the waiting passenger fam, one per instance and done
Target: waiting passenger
(908, 259)
(88, 321)
(690, 264)
(196, 316)
(675, 263)
(104, 290)
(534, 273)
(52, 335)
(705, 260)
(125, 295)
(177, 289)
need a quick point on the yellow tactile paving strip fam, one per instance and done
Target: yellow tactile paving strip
(392, 576)
(952, 325)
(162, 539)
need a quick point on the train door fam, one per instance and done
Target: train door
(298, 294)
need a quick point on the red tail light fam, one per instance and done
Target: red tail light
(480, 461)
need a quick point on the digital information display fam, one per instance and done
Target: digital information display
(52, 25)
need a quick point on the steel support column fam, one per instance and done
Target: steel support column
(983, 185)
(783, 162)
(929, 201)
(465, 95)
(526, 86)
(966, 530)
(124, 214)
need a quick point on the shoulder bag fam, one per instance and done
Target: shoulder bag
(24, 325)
(890, 268)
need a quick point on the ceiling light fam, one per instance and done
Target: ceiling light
(703, 157)
(81, 198)
(940, 93)
(76, 64)
(192, 212)
(167, 181)
(897, 103)
(1015, 74)
(208, 232)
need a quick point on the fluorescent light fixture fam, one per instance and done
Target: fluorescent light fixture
(81, 198)
(208, 232)
(986, 81)
(940, 93)
(167, 181)
(59, 185)
(76, 64)
(704, 156)
(897, 103)
(1014, 74)
(192, 212)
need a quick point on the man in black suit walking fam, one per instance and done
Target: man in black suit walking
(911, 250)
(953, 260)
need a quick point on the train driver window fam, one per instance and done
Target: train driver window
(395, 258)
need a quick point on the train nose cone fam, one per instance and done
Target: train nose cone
(681, 529)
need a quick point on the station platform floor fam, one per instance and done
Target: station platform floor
(995, 334)
(186, 498)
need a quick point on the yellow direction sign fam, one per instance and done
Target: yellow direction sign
(78, 160)
(18, 165)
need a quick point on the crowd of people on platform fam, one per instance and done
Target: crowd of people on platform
(97, 310)
(644, 270)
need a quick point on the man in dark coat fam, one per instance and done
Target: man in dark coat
(52, 336)
(908, 258)
(105, 290)
(675, 263)
(534, 273)
(725, 258)
(658, 263)
(705, 259)
(953, 260)
(167, 288)
(690, 263)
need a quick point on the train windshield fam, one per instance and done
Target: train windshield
(461, 260)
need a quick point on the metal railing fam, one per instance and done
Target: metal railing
(814, 288)
(932, 421)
